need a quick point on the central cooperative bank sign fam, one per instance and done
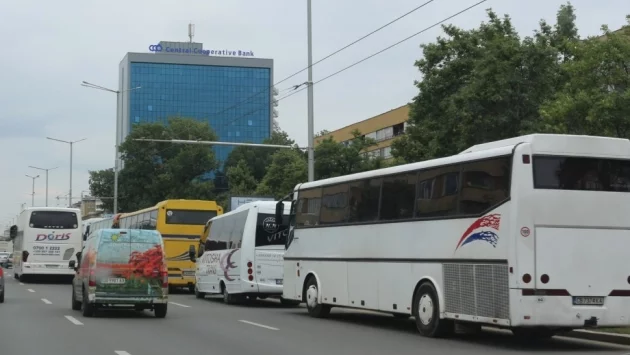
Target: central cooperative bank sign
(157, 48)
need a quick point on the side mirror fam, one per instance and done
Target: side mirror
(87, 232)
(24, 256)
(279, 212)
(78, 255)
(72, 265)
(192, 253)
(201, 250)
(13, 232)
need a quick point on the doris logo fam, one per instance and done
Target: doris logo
(52, 237)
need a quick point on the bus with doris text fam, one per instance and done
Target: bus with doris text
(242, 254)
(181, 223)
(529, 233)
(45, 240)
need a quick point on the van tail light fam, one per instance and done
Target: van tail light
(24, 256)
(164, 273)
(92, 279)
(250, 271)
(1, 273)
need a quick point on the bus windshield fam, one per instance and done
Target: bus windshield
(190, 217)
(268, 233)
(53, 220)
(581, 173)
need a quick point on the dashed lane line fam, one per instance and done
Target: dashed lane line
(179, 304)
(46, 301)
(73, 320)
(258, 325)
(31, 290)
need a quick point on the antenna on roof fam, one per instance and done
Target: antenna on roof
(191, 31)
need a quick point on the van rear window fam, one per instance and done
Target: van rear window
(581, 173)
(268, 233)
(53, 220)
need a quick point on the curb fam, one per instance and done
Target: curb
(614, 338)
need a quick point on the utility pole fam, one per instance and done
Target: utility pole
(311, 140)
(46, 170)
(33, 190)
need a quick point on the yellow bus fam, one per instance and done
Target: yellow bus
(181, 223)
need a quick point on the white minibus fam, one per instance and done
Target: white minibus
(242, 256)
(45, 239)
(529, 233)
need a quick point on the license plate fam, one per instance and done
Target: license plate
(588, 301)
(279, 282)
(188, 273)
(52, 266)
(115, 281)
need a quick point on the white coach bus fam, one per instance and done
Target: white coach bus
(242, 256)
(530, 233)
(45, 239)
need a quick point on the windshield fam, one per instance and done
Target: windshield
(53, 220)
(581, 173)
(268, 233)
(190, 217)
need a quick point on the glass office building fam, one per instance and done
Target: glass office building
(231, 93)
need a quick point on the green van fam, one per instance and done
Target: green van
(121, 267)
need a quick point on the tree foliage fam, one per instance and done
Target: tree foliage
(485, 84)
(101, 184)
(155, 171)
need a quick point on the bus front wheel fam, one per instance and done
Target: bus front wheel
(315, 309)
(426, 311)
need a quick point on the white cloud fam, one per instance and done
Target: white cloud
(49, 47)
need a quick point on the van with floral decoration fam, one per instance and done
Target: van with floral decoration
(120, 268)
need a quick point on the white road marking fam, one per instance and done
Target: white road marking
(46, 301)
(21, 284)
(258, 325)
(73, 320)
(31, 290)
(179, 304)
(121, 352)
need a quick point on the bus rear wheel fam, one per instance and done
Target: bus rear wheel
(426, 311)
(315, 309)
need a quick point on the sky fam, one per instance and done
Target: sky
(49, 47)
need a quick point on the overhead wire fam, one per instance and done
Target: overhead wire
(370, 56)
(324, 58)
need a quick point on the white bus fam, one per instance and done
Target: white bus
(242, 256)
(45, 239)
(530, 233)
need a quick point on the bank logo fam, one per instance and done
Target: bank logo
(155, 48)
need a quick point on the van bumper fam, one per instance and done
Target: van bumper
(126, 300)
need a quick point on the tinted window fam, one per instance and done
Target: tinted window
(197, 218)
(53, 220)
(578, 173)
(437, 192)
(309, 202)
(334, 207)
(398, 196)
(485, 184)
(364, 200)
(268, 233)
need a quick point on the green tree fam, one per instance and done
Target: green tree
(242, 181)
(596, 98)
(154, 171)
(288, 168)
(101, 184)
(257, 158)
(336, 159)
(484, 84)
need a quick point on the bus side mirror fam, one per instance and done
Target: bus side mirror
(87, 232)
(24, 256)
(192, 253)
(279, 212)
(13, 232)
(72, 265)
(78, 255)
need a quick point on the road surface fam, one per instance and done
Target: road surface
(36, 319)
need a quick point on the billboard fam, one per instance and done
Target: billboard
(237, 201)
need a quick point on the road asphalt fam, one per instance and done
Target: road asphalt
(36, 319)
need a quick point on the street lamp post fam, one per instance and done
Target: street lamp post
(71, 143)
(118, 134)
(46, 170)
(33, 190)
(311, 139)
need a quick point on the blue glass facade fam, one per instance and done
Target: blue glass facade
(212, 94)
